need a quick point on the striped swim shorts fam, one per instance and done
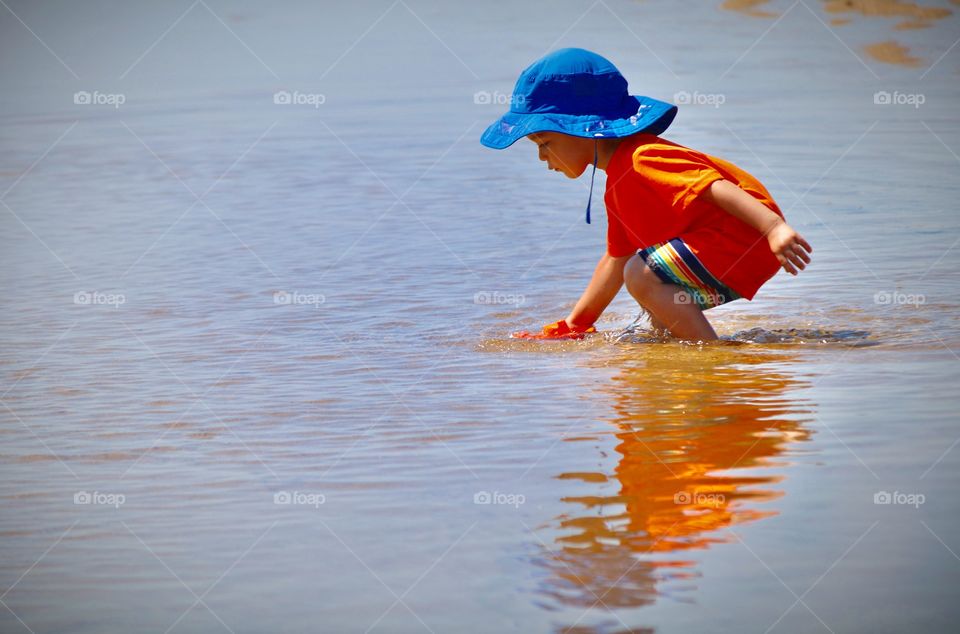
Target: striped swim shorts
(675, 263)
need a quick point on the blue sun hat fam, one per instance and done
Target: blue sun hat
(577, 92)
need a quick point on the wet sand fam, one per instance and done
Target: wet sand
(910, 15)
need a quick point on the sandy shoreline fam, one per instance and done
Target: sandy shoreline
(912, 16)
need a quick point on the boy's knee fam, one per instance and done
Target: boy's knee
(638, 277)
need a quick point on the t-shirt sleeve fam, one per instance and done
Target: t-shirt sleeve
(677, 174)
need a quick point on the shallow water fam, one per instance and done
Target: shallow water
(306, 413)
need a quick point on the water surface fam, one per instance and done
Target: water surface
(306, 413)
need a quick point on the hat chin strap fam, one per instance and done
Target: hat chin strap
(592, 175)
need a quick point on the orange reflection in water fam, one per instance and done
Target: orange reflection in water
(700, 434)
(912, 15)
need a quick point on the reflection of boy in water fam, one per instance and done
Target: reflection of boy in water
(680, 428)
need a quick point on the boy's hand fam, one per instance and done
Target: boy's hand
(557, 330)
(562, 328)
(790, 248)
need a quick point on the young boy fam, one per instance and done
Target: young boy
(686, 231)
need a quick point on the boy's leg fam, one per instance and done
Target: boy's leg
(658, 326)
(683, 319)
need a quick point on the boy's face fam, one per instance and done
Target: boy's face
(567, 154)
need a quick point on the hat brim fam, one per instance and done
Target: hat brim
(652, 117)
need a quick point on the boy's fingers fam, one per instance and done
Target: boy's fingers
(793, 256)
(785, 263)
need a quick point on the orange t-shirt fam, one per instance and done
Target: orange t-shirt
(653, 195)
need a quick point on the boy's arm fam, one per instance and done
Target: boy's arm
(785, 243)
(603, 287)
